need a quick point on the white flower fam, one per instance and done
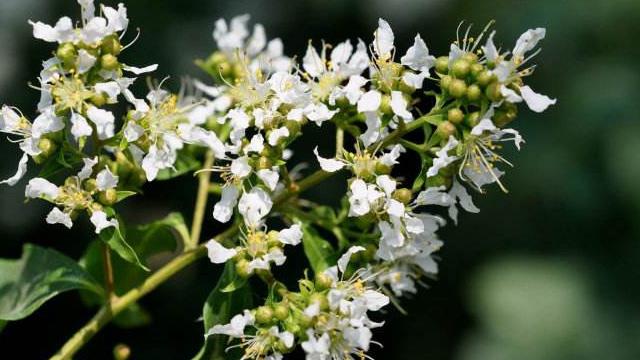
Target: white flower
(417, 58)
(399, 106)
(235, 327)
(100, 221)
(316, 348)
(240, 167)
(79, 126)
(328, 165)
(104, 121)
(56, 216)
(269, 177)
(223, 209)
(443, 159)
(291, 236)
(140, 70)
(87, 168)
(535, 101)
(254, 206)
(373, 133)
(383, 40)
(343, 262)
(106, 180)
(39, 187)
(277, 134)
(361, 197)
(219, 254)
(370, 101)
(22, 170)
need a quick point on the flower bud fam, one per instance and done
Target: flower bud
(472, 119)
(474, 92)
(455, 115)
(405, 88)
(476, 69)
(458, 88)
(108, 197)
(242, 268)
(442, 64)
(445, 129)
(484, 78)
(96, 207)
(273, 239)
(47, 146)
(281, 311)
(98, 99)
(470, 57)
(382, 169)
(460, 68)
(90, 185)
(445, 82)
(320, 299)
(385, 105)
(121, 352)
(66, 53)
(264, 315)
(323, 281)
(264, 163)
(403, 195)
(109, 62)
(493, 92)
(111, 45)
(71, 181)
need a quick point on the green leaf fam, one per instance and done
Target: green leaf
(116, 241)
(160, 235)
(319, 251)
(219, 308)
(39, 275)
(185, 163)
(121, 195)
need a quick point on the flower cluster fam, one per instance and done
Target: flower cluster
(374, 248)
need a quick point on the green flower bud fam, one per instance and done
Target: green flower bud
(472, 119)
(242, 268)
(264, 163)
(385, 105)
(460, 68)
(493, 92)
(47, 147)
(445, 82)
(474, 92)
(108, 197)
(264, 315)
(476, 69)
(470, 57)
(109, 62)
(405, 88)
(66, 53)
(90, 185)
(111, 45)
(121, 352)
(96, 207)
(323, 281)
(403, 195)
(320, 299)
(445, 129)
(281, 311)
(455, 115)
(484, 78)
(382, 169)
(442, 64)
(70, 181)
(98, 99)
(273, 239)
(458, 88)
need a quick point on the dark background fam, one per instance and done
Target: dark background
(549, 271)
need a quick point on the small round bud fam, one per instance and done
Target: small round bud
(460, 68)
(98, 99)
(96, 207)
(458, 88)
(445, 129)
(281, 311)
(108, 197)
(109, 62)
(70, 181)
(47, 147)
(472, 119)
(264, 315)
(382, 169)
(242, 268)
(442, 64)
(111, 45)
(323, 281)
(484, 78)
(66, 53)
(493, 92)
(470, 57)
(273, 239)
(476, 69)
(320, 299)
(474, 92)
(90, 185)
(121, 352)
(403, 195)
(455, 115)
(264, 163)
(445, 82)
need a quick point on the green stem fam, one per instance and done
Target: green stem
(204, 179)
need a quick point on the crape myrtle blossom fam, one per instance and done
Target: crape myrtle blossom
(449, 114)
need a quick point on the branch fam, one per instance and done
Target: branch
(204, 179)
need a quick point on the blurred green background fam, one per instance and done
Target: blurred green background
(549, 271)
